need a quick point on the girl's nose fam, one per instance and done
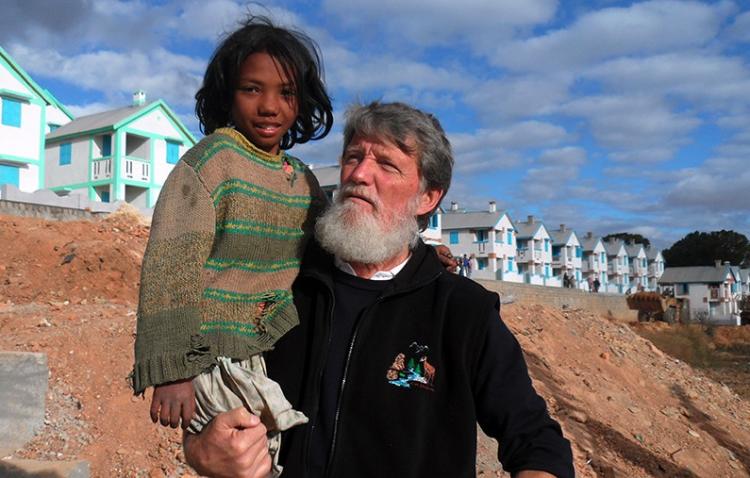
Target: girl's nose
(268, 104)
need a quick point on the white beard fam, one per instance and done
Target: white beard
(374, 237)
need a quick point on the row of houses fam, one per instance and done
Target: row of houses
(119, 155)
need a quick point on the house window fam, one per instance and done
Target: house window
(682, 289)
(482, 263)
(105, 196)
(65, 153)
(173, 152)
(434, 221)
(499, 237)
(8, 174)
(556, 251)
(643, 263)
(546, 245)
(481, 236)
(604, 259)
(510, 237)
(11, 112)
(454, 237)
(510, 264)
(579, 252)
(546, 271)
(106, 145)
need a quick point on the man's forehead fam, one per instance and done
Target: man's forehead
(381, 142)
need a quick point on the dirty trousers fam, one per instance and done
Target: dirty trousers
(233, 384)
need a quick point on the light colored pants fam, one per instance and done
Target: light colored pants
(233, 384)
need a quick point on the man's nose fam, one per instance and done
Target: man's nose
(363, 171)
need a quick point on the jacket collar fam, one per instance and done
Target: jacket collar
(423, 267)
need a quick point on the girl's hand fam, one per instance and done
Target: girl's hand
(173, 401)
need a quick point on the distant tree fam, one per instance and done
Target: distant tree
(629, 237)
(703, 248)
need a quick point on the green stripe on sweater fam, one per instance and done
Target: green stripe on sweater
(239, 226)
(221, 144)
(252, 266)
(238, 186)
(238, 328)
(279, 296)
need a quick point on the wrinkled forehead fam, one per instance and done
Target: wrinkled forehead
(381, 143)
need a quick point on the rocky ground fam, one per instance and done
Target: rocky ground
(70, 290)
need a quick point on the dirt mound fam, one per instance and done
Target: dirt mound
(70, 290)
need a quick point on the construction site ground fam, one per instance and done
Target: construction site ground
(625, 395)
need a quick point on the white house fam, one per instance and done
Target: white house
(119, 155)
(534, 255)
(27, 113)
(328, 177)
(637, 265)
(618, 270)
(567, 256)
(655, 267)
(709, 293)
(594, 263)
(489, 235)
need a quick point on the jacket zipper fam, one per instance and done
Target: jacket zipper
(332, 450)
(321, 369)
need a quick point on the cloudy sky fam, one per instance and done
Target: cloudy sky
(604, 115)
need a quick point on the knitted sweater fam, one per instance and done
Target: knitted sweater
(227, 237)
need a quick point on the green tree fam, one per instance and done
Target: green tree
(629, 237)
(703, 248)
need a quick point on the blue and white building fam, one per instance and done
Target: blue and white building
(535, 252)
(27, 113)
(567, 256)
(119, 155)
(488, 235)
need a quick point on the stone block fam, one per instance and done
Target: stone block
(44, 469)
(23, 389)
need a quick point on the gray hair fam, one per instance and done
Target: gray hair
(413, 132)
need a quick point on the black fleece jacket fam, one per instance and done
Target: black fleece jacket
(426, 362)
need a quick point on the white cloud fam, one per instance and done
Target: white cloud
(518, 96)
(116, 75)
(557, 169)
(740, 29)
(480, 23)
(647, 27)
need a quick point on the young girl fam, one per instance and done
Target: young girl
(228, 234)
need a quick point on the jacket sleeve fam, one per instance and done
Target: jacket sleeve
(509, 409)
(168, 345)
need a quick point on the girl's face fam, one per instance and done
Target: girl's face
(265, 102)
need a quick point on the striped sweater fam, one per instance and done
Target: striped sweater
(227, 237)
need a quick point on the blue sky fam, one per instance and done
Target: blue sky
(607, 116)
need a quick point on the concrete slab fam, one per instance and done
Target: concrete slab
(44, 469)
(23, 389)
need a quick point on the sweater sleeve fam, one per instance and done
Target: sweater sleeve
(510, 410)
(168, 345)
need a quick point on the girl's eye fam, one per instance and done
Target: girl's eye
(288, 92)
(249, 89)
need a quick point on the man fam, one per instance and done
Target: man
(395, 360)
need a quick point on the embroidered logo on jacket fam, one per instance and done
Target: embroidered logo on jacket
(411, 369)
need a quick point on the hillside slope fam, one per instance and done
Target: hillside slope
(70, 290)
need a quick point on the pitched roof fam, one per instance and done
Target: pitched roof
(695, 274)
(652, 252)
(589, 243)
(528, 229)
(105, 119)
(113, 119)
(560, 236)
(42, 92)
(634, 249)
(328, 175)
(470, 219)
(612, 247)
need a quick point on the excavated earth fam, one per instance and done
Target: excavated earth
(69, 289)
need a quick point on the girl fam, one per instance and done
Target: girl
(228, 232)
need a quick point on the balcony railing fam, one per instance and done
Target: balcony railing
(101, 169)
(527, 255)
(137, 169)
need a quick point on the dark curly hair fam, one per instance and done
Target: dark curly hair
(299, 58)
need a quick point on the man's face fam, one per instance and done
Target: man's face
(379, 179)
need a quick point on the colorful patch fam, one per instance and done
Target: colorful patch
(412, 370)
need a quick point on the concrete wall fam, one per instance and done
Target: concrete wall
(603, 304)
(48, 205)
(76, 172)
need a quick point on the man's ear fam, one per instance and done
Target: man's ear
(428, 200)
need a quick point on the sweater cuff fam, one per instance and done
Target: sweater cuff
(165, 368)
